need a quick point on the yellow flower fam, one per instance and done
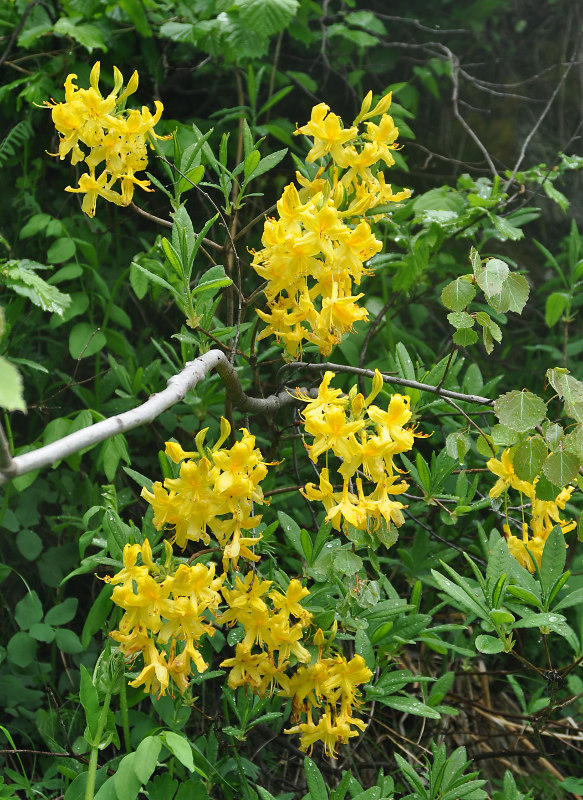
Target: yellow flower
(327, 131)
(507, 477)
(93, 188)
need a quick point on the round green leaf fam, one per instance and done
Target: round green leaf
(520, 411)
(42, 632)
(458, 294)
(28, 611)
(63, 612)
(491, 277)
(68, 641)
(488, 644)
(29, 544)
(61, 250)
(85, 340)
(561, 467)
(465, 336)
(21, 649)
(545, 490)
(528, 458)
(460, 319)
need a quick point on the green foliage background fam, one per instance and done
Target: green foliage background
(487, 97)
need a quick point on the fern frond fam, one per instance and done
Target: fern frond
(14, 140)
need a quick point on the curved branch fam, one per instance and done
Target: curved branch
(178, 385)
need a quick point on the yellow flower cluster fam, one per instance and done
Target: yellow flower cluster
(170, 607)
(329, 685)
(164, 606)
(215, 490)
(115, 138)
(314, 253)
(365, 438)
(544, 514)
(268, 627)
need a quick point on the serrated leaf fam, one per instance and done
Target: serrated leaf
(491, 277)
(460, 319)
(565, 385)
(520, 411)
(457, 294)
(528, 458)
(512, 296)
(561, 467)
(465, 337)
(22, 278)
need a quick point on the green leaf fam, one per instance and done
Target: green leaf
(28, 611)
(11, 388)
(61, 250)
(85, 340)
(98, 614)
(491, 277)
(292, 532)
(556, 303)
(22, 278)
(464, 597)
(251, 162)
(68, 641)
(528, 458)
(268, 162)
(63, 612)
(489, 644)
(90, 701)
(512, 296)
(520, 411)
(505, 229)
(88, 36)
(460, 319)
(147, 757)
(42, 632)
(363, 647)
(29, 544)
(465, 337)
(315, 781)
(410, 705)
(458, 294)
(561, 467)
(553, 559)
(172, 257)
(21, 649)
(180, 747)
(155, 278)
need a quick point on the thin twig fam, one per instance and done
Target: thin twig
(536, 126)
(369, 373)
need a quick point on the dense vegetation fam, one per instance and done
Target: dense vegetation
(258, 578)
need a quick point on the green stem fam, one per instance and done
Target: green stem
(125, 720)
(92, 771)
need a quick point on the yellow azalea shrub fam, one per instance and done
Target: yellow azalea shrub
(98, 131)
(215, 491)
(315, 252)
(544, 514)
(365, 438)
